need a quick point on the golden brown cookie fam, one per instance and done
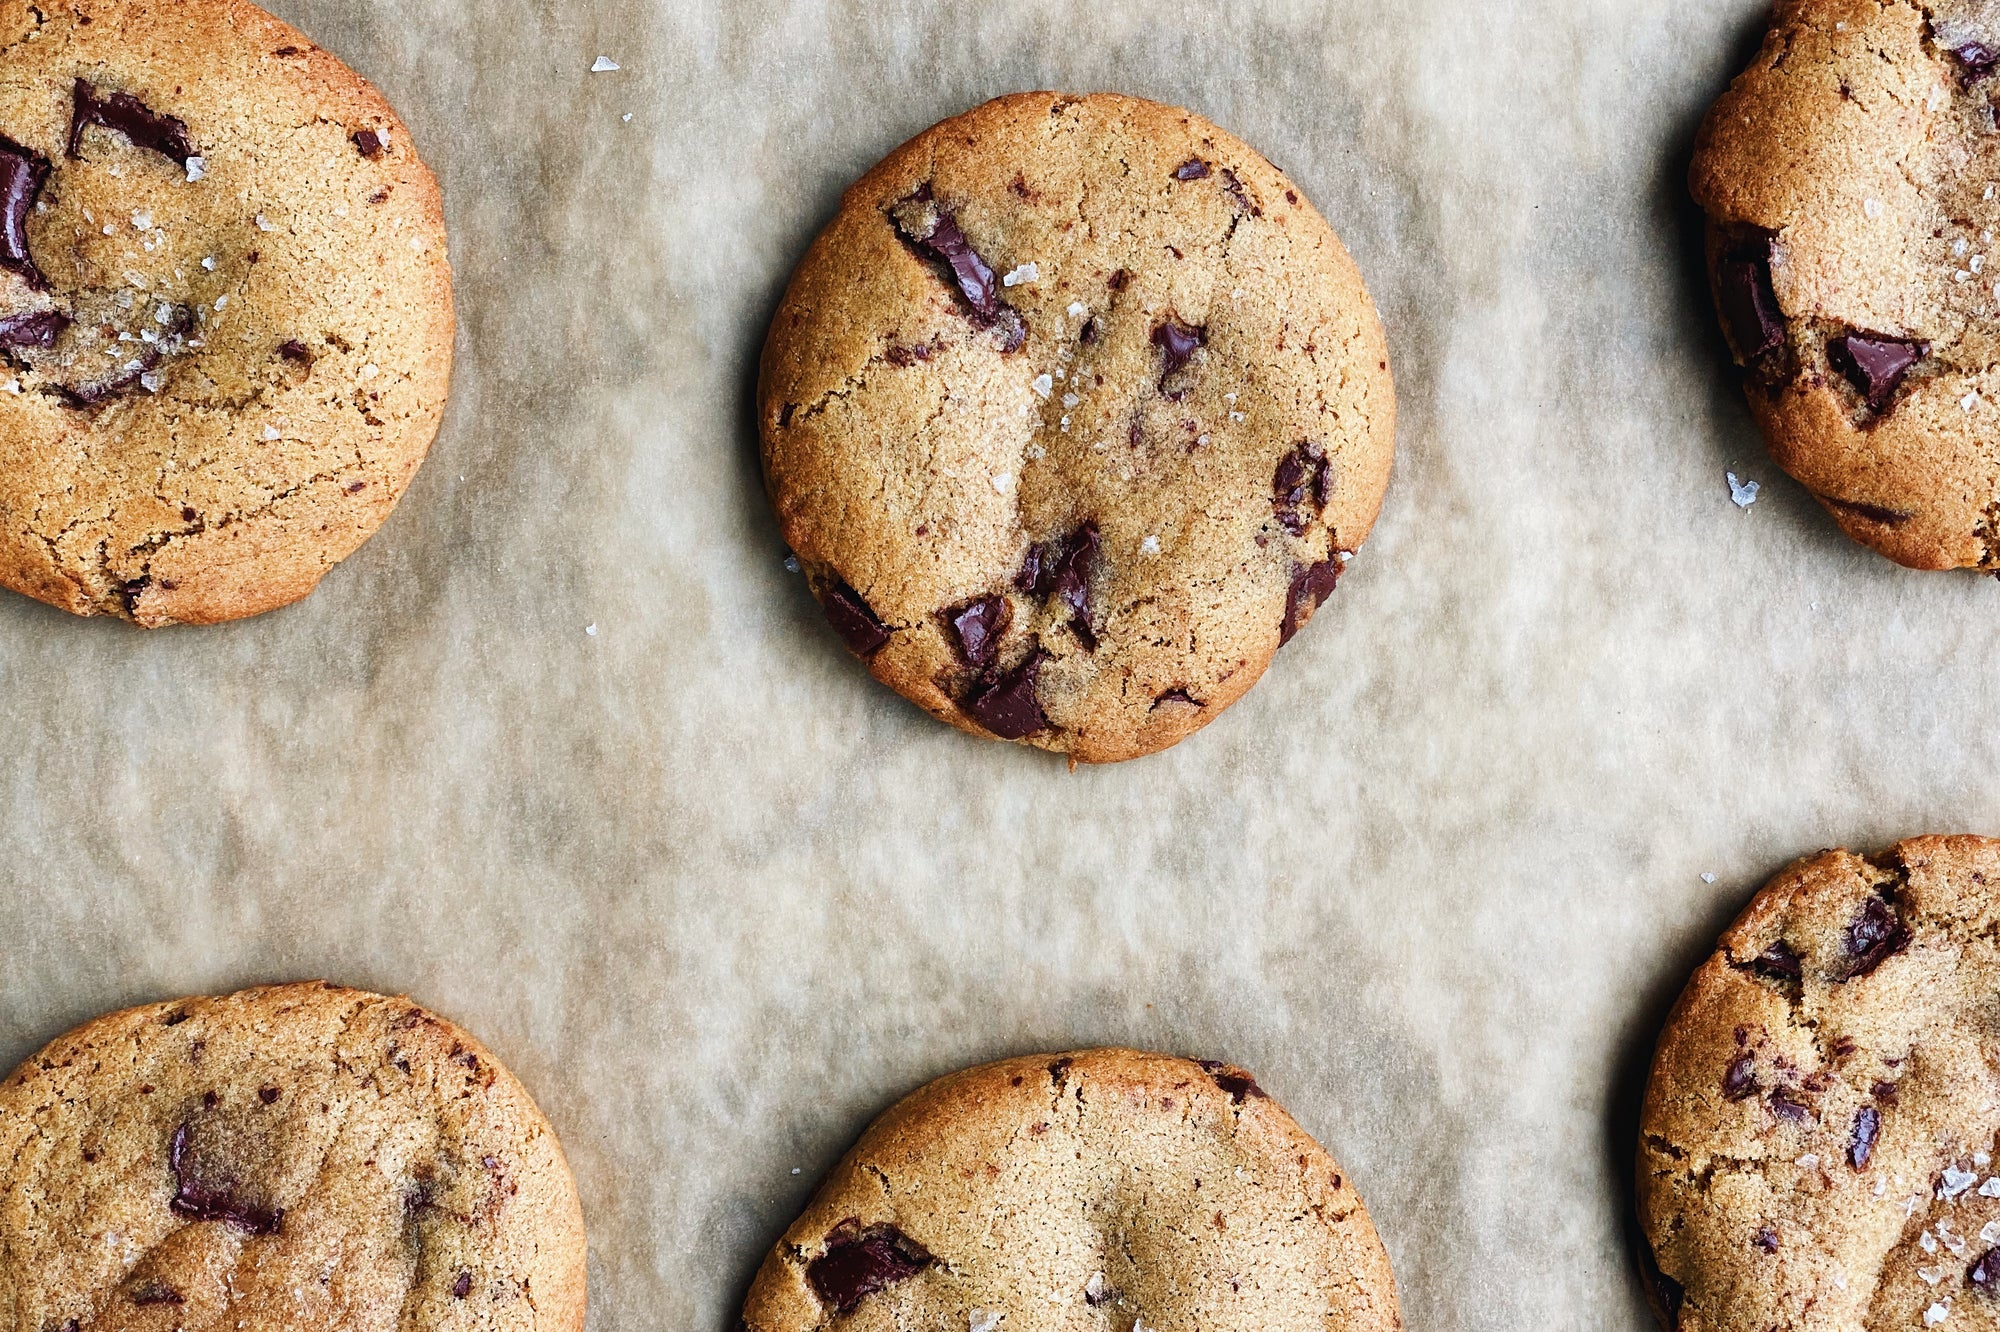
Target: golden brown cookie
(225, 308)
(301, 1157)
(1072, 417)
(1105, 1189)
(1851, 178)
(1818, 1139)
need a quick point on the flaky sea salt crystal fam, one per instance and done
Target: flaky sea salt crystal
(792, 565)
(1024, 274)
(270, 433)
(143, 221)
(11, 386)
(1872, 207)
(985, 1320)
(1003, 482)
(370, 370)
(264, 224)
(209, 263)
(590, 629)
(1077, 310)
(1044, 385)
(604, 65)
(1991, 1188)
(197, 167)
(1927, 1242)
(1742, 493)
(1708, 878)
(1150, 546)
(1954, 1181)
(1810, 1161)
(1936, 1314)
(1071, 400)
(1990, 1233)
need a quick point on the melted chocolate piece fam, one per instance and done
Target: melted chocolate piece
(1301, 473)
(859, 1262)
(297, 352)
(1867, 1128)
(1985, 1273)
(207, 1190)
(1787, 1106)
(1070, 583)
(36, 328)
(369, 144)
(1178, 696)
(1749, 302)
(1192, 169)
(1035, 570)
(155, 1292)
(1976, 60)
(1179, 343)
(23, 172)
(1778, 962)
(1739, 1082)
(1876, 935)
(125, 114)
(1874, 365)
(1766, 1239)
(933, 232)
(854, 621)
(1009, 707)
(977, 627)
(1310, 589)
(1238, 1084)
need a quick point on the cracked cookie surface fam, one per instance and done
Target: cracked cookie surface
(1072, 417)
(299, 1156)
(1105, 1189)
(1818, 1137)
(225, 308)
(1851, 178)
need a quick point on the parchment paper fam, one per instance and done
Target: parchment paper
(719, 899)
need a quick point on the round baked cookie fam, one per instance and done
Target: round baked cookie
(1072, 417)
(1818, 1139)
(301, 1157)
(1851, 179)
(1104, 1189)
(225, 308)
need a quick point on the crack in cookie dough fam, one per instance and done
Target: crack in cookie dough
(1818, 1137)
(1025, 324)
(1099, 1188)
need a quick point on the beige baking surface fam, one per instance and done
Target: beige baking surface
(718, 898)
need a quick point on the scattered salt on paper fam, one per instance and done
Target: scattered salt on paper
(604, 65)
(1744, 493)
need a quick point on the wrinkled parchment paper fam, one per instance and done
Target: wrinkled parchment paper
(719, 899)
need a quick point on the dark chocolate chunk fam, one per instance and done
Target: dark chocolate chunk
(1976, 60)
(1867, 1128)
(1778, 962)
(1874, 365)
(1070, 582)
(933, 232)
(1302, 473)
(369, 144)
(1234, 1081)
(1876, 935)
(462, 1287)
(297, 352)
(1009, 707)
(1192, 169)
(1179, 343)
(1310, 589)
(1985, 1274)
(155, 1292)
(854, 621)
(23, 172)
(207, 1189)
(1178, 696)
(860, 1261)
(1766, 1239)
(36, 328)
(1786, 1105)
(127, 115)
(1739, 1081)
(978, 626)
(1036, 567)
(1749, 302)
(1885, 1093)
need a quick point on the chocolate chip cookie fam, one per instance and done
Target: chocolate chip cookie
(1818, 1139)
(1103, 1189)
(225, 308)
(1073, 417)
(1851, 179)
(301, 1157)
